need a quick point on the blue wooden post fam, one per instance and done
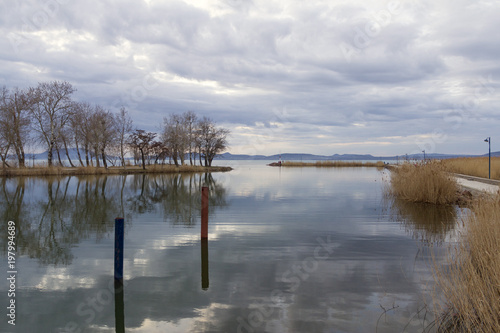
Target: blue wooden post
(119, 229)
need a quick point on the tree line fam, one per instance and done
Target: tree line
(47, 116)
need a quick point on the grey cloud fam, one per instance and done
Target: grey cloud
(275, 55)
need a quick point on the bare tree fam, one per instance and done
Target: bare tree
(102, 131)
(142, 140)
(190, 127)
(212, 140)
(15, 108)
(51, 112)
(175, 137)
(123, 128)
(77, 126)
(83, 128)
(159, 151)
(5, 133)
(4, 147)
(66, 138)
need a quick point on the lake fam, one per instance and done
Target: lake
(288, 250)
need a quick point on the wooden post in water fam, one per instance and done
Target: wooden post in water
(204, 212)
(119, 231)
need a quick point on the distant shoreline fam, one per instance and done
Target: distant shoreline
(329, 164)
(70, 171)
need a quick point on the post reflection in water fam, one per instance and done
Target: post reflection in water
(119, 307)
(204, 237)
(204, 264)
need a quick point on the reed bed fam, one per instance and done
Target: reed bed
(63, 171)
(473, 166)
(423, 182)
(321, 164)
(470, 280)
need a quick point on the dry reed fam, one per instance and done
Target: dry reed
(333, 164)
(470, 281)
(63, 171)
(424, 182)
(473, 166)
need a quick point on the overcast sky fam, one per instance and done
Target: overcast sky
(324, 77)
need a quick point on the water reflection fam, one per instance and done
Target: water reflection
(428, 223)
(313, 251)
(54, 214)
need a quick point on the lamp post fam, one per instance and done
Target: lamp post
(488, 139)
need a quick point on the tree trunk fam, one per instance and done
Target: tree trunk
(96, 154)
(20, 151)
(58, 155)
(49, 155)
(4, 157)
(104, 159)
(199, 155)
(67, 152)
(174, 157)
(143, 161)
(122, 154)
(87, 154)
(78, 153)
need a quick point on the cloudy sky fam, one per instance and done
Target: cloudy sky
(325, 77)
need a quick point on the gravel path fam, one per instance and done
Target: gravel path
(478, 184)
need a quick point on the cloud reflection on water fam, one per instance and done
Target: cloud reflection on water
(253, 241)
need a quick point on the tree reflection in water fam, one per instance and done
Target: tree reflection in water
(53, 215)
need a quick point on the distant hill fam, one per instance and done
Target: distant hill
(343, 157)
(291, 156)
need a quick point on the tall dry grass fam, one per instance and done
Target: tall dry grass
(63, 171)
(470, 281)
(423, 182)
(39, 171)
(473, 166)
(333, 164)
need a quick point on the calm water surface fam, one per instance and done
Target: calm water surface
(289, 250)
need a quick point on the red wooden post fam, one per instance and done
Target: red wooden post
(204, 212)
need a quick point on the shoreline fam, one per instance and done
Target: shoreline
(87, 171)
(329, 164)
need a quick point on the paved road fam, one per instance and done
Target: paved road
(478, 184)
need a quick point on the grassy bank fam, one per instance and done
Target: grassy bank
(470, 280)
(423, 182)
(473, 166)
(322, 164)
(63, 171)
